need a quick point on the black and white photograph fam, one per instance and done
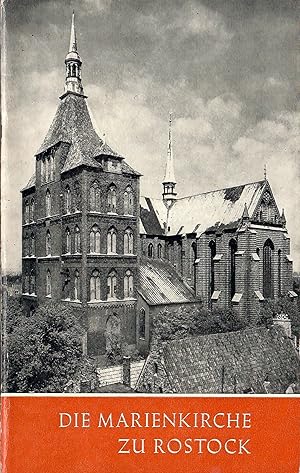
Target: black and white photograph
(150, 196)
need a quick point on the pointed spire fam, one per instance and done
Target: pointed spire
(169, 182)
(73, 39)
(245, 215)
(73, 64)
(169, 174)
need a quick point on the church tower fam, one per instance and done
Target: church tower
(81, 222)
(169, 182)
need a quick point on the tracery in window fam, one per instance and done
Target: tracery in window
(112, 241)
(68, 240)
(112, 285)
(128, 284)
(112, 199)
(48, 203)
(128, 242)
(48, 243)
(95, 197)
(32, 245)
(77, 239)
(95, 238)
(128, 201)
(95, 286)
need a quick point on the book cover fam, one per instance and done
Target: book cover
(150, 236)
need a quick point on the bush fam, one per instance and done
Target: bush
(285, 305)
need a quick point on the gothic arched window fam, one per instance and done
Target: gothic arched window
(77, 196)
(112, 241)
(48, 243)
(112, 285)
(159, 250)
(32, 282)
(95, 197)
(26, 212)
(68, 240)
(43, 171)
(26, 283)
(48, 283)
(32, 245)
(150, 250)
(212, 246)
(279, 273)
(268, 269)
(66, 284)
(95, 239)
(76, 239)
(76, 286)
(52, 166)
(128, 284)
(112, 199)
(95, 286)
(31, 210)
(232, 252)
(142, 323)
(128, 242)
(48, 203)
(26, 245)
(128, 201)
(68, 200)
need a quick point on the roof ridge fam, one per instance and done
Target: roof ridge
(222, 189)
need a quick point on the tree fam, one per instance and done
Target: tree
(170, 324)
(43, 349)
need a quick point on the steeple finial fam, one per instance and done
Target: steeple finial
(169, 182)
(265, 172)
(73, 64)
(73, 39)
(282, 218)
(245, 215)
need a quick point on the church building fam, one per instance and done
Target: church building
(91, 241)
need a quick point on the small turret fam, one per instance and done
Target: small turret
(169, 182)
(283, 219)
(73, 64)
(245, 216)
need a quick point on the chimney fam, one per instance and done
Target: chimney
(126, 370)
(284, 321)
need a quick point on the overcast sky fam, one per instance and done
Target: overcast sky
(227, 70)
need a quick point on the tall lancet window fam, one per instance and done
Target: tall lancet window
(128, 284)
(48, 243)
(52, 166)
(232, 266)
(68, 240)
(76, 286)
(112, 285)
(76, 239)
(95, 197)
(112, 199)
(32, 282)
(112, 241)
(68, 200)
(48, 203)
(48, 283)
(212, 246)
(95, 286)
(128, 242)
(95, 239)
(128, 201)
(31, 210)
(32, 245)
(26, 212)
(268, 269)
(279, 273)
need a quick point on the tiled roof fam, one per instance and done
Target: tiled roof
(245, 360)
(72, 124)
(153, 216)
(198, 213)
(159, 283)
(30, 183)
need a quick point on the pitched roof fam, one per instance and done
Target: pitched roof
(245, 360)
(72, 124)
(153, 216)
(30, 183)
(159, 283)
(198, 213)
